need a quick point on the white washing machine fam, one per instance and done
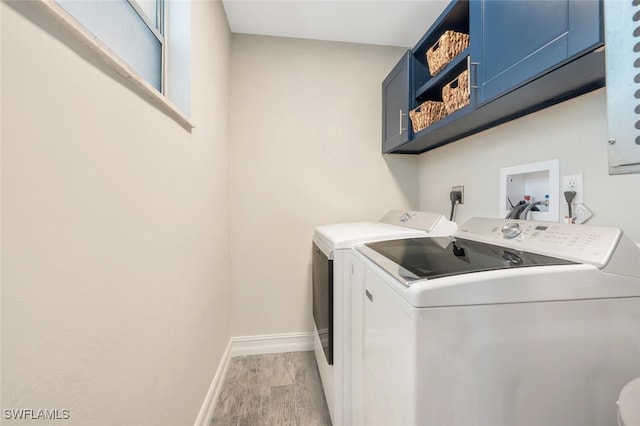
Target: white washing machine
(505, 323)
(331, 295)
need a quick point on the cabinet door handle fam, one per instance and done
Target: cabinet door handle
(473, 73)
(401, 128)
(369, 295)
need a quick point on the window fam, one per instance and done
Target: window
(125, 27)
(135, 31)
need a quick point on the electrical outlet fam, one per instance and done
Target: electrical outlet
(461, 189)
(573, 183)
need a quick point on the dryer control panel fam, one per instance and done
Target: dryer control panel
(579, 243)
(424, 221)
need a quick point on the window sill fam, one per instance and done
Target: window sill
(130, 77)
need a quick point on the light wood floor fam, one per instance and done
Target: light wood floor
(272, 390)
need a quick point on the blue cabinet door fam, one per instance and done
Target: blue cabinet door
(395, 106)
(522, 40)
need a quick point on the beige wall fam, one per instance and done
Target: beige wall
(115, 249)
(305, 134)
(122, 232)
(0, 205)
(575, 132)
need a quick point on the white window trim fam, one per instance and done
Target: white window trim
(86, 38)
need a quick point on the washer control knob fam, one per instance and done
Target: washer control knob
(511, 230)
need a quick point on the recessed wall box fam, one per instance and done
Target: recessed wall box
(535, 181)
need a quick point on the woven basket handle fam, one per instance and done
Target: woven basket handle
(435, 46)
(454, 84)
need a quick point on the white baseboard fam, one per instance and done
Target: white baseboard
(250, 345)
(209, 404)
(271, 344)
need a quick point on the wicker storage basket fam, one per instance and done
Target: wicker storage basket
(456, 94)
(426, 114)
(450, 44)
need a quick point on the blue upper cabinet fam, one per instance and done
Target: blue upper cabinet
(395, 106)
(523, 55)
(524, 39)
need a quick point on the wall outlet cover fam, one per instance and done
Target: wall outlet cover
(573, 183)
(461, 189)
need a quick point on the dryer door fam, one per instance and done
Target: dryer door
(323, 300)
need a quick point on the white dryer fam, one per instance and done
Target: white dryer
(332, 245)
(505, 323)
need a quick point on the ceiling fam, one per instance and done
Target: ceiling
(382, 22)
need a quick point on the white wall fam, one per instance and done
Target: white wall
(305, 134)
(115, 248)
(575, 132)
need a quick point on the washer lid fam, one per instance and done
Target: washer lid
(429, 258)
(629, 404)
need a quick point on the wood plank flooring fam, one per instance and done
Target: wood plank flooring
(272, 390)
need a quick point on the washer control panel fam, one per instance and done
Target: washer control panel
(580, 243)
